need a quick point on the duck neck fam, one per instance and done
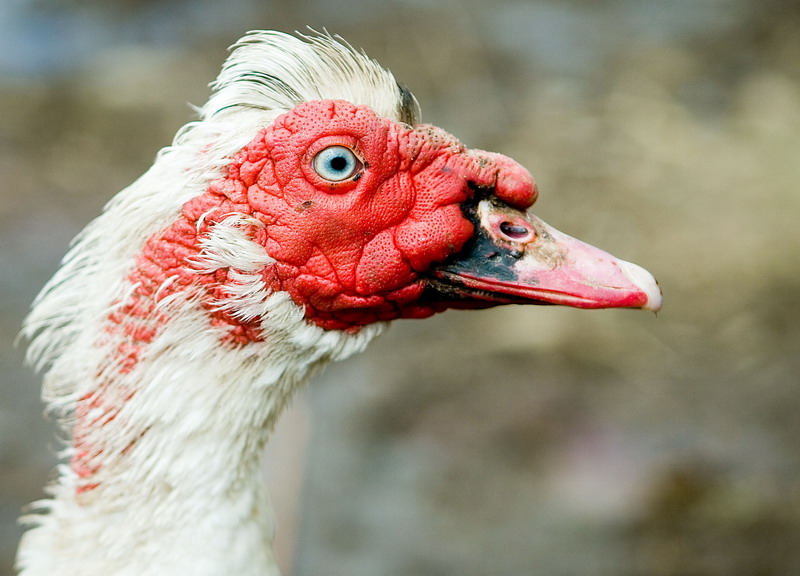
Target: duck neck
(164, 475)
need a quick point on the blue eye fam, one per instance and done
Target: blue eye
(336, 163)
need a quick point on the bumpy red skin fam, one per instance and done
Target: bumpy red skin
(352, 253)
(349, 253)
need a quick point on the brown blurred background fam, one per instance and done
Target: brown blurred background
(514, 441)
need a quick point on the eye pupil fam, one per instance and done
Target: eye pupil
(336, 163)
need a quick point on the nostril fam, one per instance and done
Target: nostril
(514, 231)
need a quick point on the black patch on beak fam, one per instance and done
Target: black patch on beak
(481, 256)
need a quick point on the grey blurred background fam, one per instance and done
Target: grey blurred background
(513, 441)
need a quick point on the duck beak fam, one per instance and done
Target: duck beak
(515, 257)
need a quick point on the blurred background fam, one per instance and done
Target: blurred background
(512, 441)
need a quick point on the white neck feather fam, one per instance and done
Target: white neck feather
(179, 489)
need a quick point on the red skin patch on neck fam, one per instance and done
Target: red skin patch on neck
(349, 253)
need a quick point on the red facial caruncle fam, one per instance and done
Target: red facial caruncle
(352, 251)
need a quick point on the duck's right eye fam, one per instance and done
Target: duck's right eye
(336, 163)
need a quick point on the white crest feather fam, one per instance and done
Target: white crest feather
(269, 70)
